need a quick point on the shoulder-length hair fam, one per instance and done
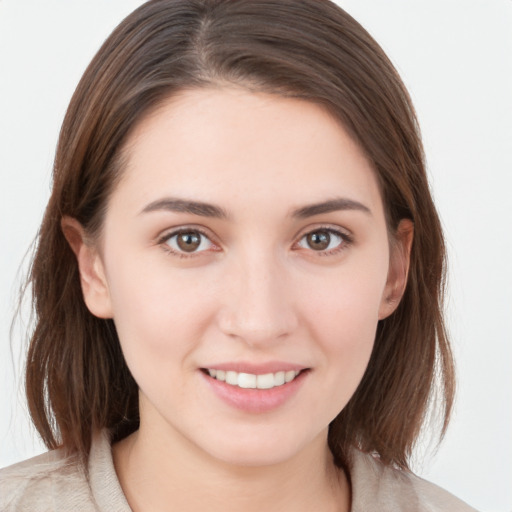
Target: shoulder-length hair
(76, 378)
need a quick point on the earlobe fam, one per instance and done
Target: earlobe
(399, 262)
(90, 266)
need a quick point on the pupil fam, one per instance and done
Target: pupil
(188, 242)
(319, 240)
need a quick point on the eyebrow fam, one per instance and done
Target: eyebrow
(332, 205)
(200, 208)
(203, 209)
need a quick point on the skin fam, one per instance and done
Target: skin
(254, 291)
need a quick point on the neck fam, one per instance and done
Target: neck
(176, 475)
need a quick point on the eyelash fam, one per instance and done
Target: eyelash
(346, 241)
(163, 242)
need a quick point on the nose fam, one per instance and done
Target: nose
(258, 306)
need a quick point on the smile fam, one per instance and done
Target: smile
(252, 381)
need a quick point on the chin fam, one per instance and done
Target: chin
(261, 449)
(255, 456)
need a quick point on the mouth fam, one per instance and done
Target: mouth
(253, 381)
(254, 388)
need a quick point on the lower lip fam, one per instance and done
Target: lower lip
(255, 400)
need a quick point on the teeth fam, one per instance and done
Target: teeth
(265, 381)
(279, 378)
(289, 376)
(251, 381)
(232, 378)
(246, 380)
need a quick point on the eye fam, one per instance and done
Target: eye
(187, 241)
(324, 240)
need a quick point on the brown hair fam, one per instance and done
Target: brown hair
(76, 378)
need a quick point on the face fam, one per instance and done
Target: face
(245, 261)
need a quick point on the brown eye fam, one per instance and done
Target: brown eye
(188, 242)
(322, 240)
(319, 241)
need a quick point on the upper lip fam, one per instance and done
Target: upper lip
(256, 368)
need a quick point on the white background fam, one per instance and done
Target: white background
(455, 56)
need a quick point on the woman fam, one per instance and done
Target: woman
(238, 278)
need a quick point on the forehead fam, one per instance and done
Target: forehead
(229, 145)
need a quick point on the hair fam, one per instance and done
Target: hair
(76, 378)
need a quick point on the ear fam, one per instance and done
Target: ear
(399, 261)
(92, 274)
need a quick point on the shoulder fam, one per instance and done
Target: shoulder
(52, 482)
(49, 481)
(387, 489)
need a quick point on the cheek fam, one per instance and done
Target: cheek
(155, 312)
(343, 316)
(348, 301)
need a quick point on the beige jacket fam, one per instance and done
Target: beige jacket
(51, 482)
